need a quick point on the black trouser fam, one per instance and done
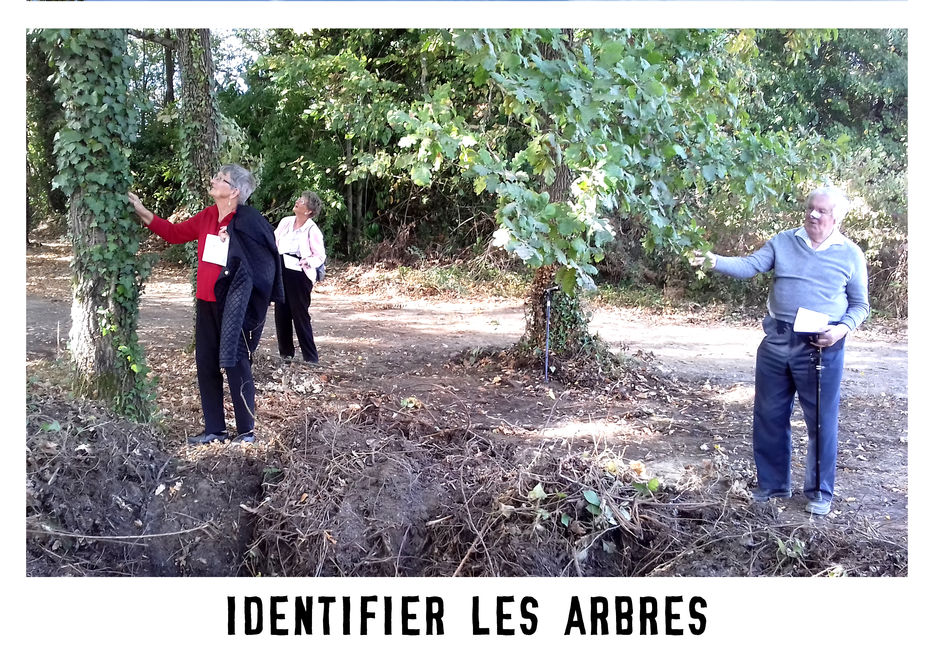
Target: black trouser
(294, 312)
(210, 380)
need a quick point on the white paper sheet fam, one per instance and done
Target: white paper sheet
(810, 322)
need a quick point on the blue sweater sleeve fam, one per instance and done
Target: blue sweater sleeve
(744, 267)
(857, 292)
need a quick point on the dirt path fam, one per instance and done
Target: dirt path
(400, 348)
(378, 330)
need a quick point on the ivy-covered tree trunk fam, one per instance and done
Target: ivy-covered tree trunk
(100, 122)
(565, 331)
(562, 332)
(200, 136)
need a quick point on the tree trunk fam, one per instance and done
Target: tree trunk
(567, 324)
(569, 327)
(351, 203)
(93, 356)
(199, 127)
(200, 135)
(169, 71)
(94, 171)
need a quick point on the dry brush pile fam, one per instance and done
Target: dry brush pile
(374, 491)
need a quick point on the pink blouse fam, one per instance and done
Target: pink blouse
(307, 241)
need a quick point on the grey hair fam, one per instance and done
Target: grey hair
(838, 199)
(242, 180)
(312, 202)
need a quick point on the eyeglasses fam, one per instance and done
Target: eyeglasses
(220, 178)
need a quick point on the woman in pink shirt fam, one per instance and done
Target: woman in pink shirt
(301, 246)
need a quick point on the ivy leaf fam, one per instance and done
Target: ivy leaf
(592, 497)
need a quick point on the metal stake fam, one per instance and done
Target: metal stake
(547, 328)
(819, 377)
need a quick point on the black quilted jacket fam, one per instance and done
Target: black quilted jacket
(251, 280)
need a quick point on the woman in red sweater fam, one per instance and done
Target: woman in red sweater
(224, 227)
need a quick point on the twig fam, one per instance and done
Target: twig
(52, 532)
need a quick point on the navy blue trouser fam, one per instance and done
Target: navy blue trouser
(786, 366)
(294, 311)
(210, 379)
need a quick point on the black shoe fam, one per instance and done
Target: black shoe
(206, 438)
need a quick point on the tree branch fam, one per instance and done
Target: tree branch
(154, 37)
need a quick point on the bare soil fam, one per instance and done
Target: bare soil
(417, 446)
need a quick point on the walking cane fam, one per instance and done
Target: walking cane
(819, 376)
(547, 328)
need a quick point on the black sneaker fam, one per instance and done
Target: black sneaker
(206, 438)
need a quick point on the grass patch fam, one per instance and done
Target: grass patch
(463, 279)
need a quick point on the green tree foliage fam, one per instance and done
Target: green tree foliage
(316, 110)
(576, 150)
(43, 118)
(92, 149)
(155, 157)
(852, 89)
(650, 124)
(840, 97)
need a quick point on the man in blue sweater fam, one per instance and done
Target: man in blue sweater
(818, 269)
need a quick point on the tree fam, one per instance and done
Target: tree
(93, 73)
(646, 124)
(200, 135)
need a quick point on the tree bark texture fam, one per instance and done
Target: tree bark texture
(169, 71)
(92, 353)
(199, 125)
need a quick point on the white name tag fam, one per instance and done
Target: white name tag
(215, 250)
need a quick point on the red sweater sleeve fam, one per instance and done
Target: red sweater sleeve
(182, 232)
(194, 228)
